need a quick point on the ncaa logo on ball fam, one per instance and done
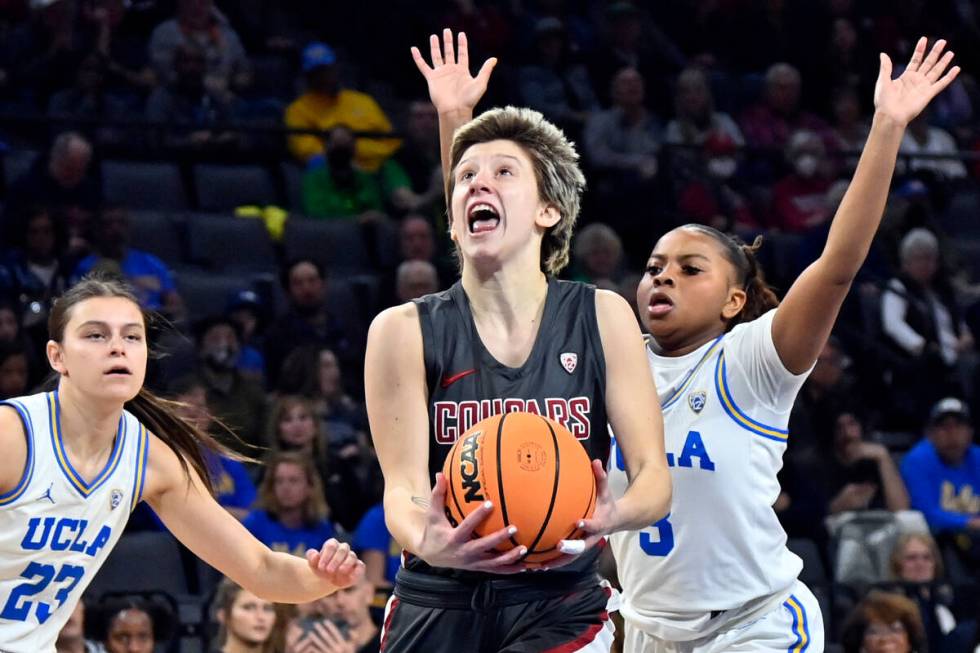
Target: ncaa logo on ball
(469, 468)
(531, 456)
(696, 400)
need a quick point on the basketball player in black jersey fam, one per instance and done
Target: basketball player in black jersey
(507, 337)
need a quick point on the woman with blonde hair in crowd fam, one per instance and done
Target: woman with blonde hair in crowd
(291, 510)
(248, 624)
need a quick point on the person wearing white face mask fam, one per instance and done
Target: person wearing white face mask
(798, 199)
(715, 196)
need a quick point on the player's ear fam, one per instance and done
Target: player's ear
(548, 216)
(734, 304)
(56, 357)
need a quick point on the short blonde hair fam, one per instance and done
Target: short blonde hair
(556, 169)
(895, 560)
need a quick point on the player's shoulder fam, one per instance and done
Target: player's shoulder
(13, 443)
(391, 320)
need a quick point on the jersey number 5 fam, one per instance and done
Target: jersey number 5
(17, 610)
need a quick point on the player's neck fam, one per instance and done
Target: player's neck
(677, 347)
(88, 428)
(507, 299)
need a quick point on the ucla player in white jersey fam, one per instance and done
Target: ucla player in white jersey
(77, 460)
(715, 574)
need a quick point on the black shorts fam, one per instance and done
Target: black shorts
(433, 614)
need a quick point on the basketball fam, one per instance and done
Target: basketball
(538, 476)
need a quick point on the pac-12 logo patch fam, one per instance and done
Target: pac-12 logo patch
(569, 361)
(696, 400)
(115, 498)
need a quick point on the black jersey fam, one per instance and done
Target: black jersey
(564, 377)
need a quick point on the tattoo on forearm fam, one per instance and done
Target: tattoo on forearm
(425, 502)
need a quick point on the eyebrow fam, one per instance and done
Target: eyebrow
(100, 323)
(495, 156)
(682, 257)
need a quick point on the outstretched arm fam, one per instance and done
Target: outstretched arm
(453, 91)
(803, 322)
(212, 534)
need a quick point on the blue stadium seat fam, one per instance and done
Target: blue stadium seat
(152, 185)
(206, 293)
(227, 243)
(225, 187)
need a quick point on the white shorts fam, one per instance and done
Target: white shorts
(795, 626)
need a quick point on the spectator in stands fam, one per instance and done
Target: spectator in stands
(35, 271)
(325, 104)
(150, 277)
(63, 182)
(922, 138)
(307, 321)
(188, 106)
(416, 242)
(419, 155)
(942, 474)
(712, 192)
(622, 145)
(340, 188)
(71, 639)
(120, 42)
(352, 606)
(849, 130)
(917, 567)
(233, 486)
(829, 391)
(43, 50)
(861, 475)
(924, 325)
(14, 370)
(799, 199)
(597, 254)
(771, 123)
(199, 23)
(247, 623)
(377, 548)
(884, 623)
(415, 279)
(630, 42)
(553, 82)
(133, 625)
(695, 117)
(231, 397)
(340, 462)
(247, 311)
(88, 98)
(291, 514)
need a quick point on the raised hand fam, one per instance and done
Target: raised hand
(451, 86)
(445, 546)
(904, 98)
(336, 563)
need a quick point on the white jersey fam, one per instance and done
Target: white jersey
(726, 408)
(56, 529)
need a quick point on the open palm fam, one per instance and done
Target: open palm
(904, 98)
(451, 86)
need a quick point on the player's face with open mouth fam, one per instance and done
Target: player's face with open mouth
(685, 288)
(495, 204)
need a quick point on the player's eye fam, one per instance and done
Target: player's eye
(95, 335)
(653, 270)
(466, 175)
(505, 171)
(690, 269)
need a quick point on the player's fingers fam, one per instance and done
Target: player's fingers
(327, 551)
(435, 51)
(334, 562)
(936, 71)
(491, 541)
(312, 557)
(510, 560)
(918, 54)
(933, 57)
(462, 50)
(347, 567)
(423, 67)
(438, 498)
(484, 75)
(946, 79)
(449, 50)
(885, 68)
(464, 531)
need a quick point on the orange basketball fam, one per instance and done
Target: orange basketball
(535, 472)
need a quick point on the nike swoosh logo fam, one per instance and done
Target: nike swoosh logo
(449, 380)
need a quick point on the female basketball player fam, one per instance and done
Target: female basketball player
(716, 574)
(507, 332)
(76, 461)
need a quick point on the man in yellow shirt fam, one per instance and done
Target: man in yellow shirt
(325, 104)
